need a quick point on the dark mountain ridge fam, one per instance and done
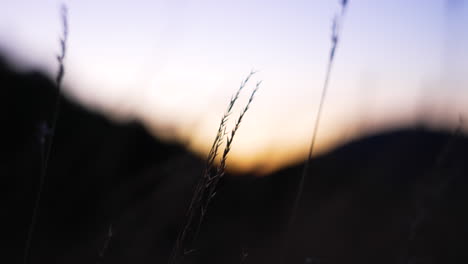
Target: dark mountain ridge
(386, 198)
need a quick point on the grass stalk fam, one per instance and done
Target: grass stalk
(336, 29)
(105, 247)
(47, 134)
(206, 187)
(431, 195)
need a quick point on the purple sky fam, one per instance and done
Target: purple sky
(174, 65)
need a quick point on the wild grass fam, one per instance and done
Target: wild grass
(431, 194)
(206, 187)
(46, 132)
(336, 30)
(105, 246)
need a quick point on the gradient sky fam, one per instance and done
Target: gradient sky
(174, 65)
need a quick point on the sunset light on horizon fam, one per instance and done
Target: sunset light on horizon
(174, 65)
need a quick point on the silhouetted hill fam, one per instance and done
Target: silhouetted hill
(98, 171)
(375, 200)
(360, 204)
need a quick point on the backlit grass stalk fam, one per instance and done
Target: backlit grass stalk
(47, 134)
(222, 126)
(105, 247)
(230, 138)
(336, 30)
(435, 189)
(206, 187)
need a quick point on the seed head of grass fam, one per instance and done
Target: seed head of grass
(206, 187)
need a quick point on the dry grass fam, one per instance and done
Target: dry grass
(46, 132)
(336, 29)
(430, 194)
(206, 187)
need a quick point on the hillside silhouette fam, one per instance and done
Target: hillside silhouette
(115, 194)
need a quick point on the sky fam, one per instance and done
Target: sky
(174, 65)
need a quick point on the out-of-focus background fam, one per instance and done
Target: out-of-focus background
(175, 64)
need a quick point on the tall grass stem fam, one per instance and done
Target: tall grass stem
(46, 141)
(336, 29)
(206, 186)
